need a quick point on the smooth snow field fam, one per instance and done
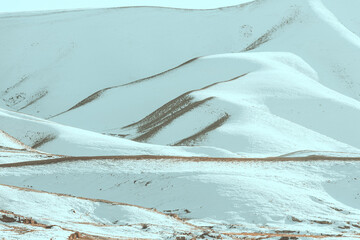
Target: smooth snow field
(239, 122)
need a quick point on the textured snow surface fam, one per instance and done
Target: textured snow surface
(261, 78)
(221, 198)
(84, 93)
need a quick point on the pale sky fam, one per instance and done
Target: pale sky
(41, 5)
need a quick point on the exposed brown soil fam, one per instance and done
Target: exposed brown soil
(344, 227)
(194, 138)
(9, 16)
(356, 225)
(162, 112)
(26, 147)
(177, 158)
(87, 100)
(14, 150)
(322, 222)
(15, 140)
(267, 36)
(36, 98)
(294, 219)
(18, 230)
(43, 140)
(160, 74)
(169, 119)
(272, 235)
(10, 217)
(220, 82)
(23, 79)
(163, 116)
(84, 236)
(91, 98)
(97, 94)
(7, 219)
(337, 209)
(101, 201)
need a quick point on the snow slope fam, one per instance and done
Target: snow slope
(92, 216)
(102, 70)
(226, 198)
(255, 94)
(139, 93)
(55, 138)
(7, 141)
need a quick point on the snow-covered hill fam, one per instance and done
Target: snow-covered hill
(304, 200)
(266, 78)
(105, 70)
(30, 133)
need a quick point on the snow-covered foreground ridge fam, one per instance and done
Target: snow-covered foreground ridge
(166, 199)
(147, 122)
(266, 77)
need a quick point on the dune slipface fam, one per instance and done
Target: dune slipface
(240, 122)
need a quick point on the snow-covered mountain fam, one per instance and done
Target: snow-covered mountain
(266, 78)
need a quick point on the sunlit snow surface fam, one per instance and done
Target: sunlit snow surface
(219, 198)
(157, 123)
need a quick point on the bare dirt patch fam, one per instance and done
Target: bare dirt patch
(176, 158)
(99, 93)
(267, 36)
(41, 141)
(163, 116)
(192, 140)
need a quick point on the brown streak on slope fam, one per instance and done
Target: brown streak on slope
(271, 235)
(15, 140)
(85, 236)
(160, 74)
(161, 112)
(21, 219)
(26, 147)
(29, 221)
(171, 118)
(38, 95)
(267, 36)
(97, 94)
(43, 140)
(177, 158)
(89, 99)
(56, 12)
(103, 201)
(23, 79)
(216, 83)
(167, 113)
(189, 141)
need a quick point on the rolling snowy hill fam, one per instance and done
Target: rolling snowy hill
(157, 122)
(105, 70)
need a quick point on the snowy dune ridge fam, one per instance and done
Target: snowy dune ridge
(124, 71)
(157, 123)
